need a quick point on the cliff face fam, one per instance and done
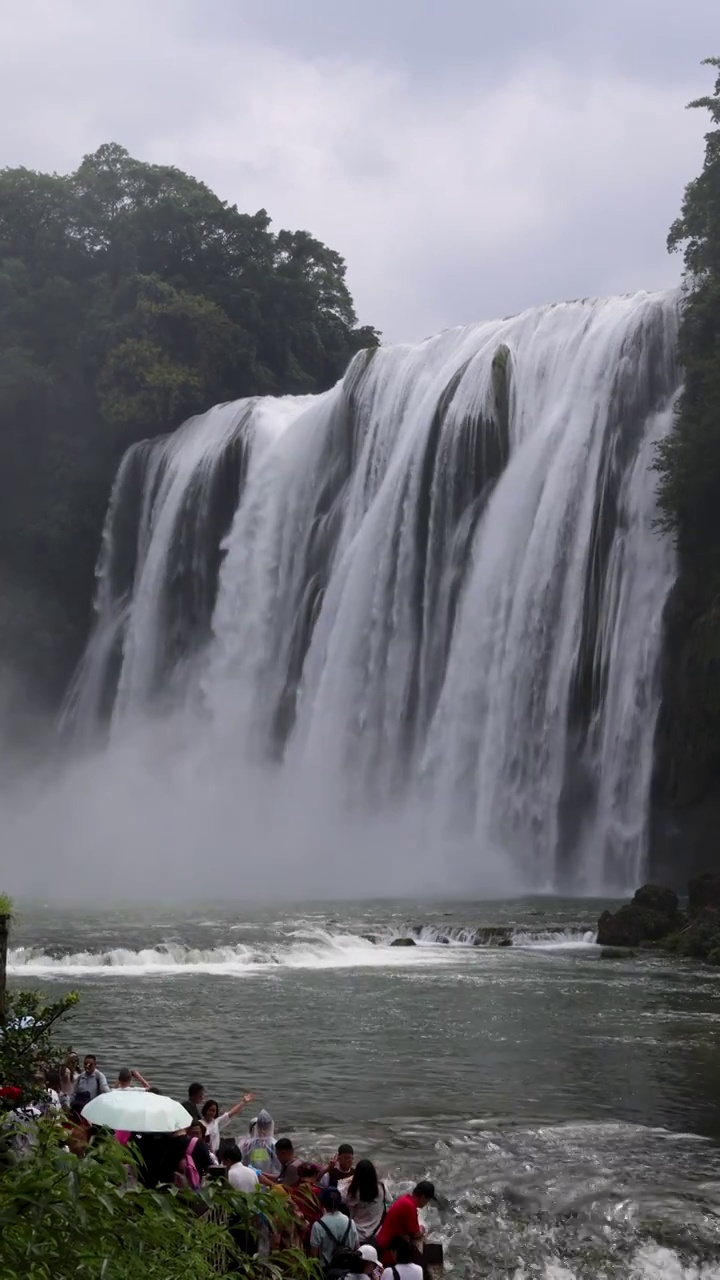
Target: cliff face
(685, 822)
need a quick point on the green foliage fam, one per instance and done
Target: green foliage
(27, 1041)
(6, 906)
(69, 1218)
(130, 297)
(688, 462)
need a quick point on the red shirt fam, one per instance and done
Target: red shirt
(401, 1219)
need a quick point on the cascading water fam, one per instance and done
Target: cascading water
(434, 591)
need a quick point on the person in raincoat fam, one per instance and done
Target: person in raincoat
(258, 1149)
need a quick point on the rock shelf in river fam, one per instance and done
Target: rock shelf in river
(654, 920)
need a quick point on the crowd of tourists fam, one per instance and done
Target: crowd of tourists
(342, 1213)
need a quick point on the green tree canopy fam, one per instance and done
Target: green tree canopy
(688, 460)
(130, 297)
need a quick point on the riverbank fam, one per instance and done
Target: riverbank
(654, 920)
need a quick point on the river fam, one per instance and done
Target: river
(566, 1106)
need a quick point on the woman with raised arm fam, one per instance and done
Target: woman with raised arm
(215, 1120)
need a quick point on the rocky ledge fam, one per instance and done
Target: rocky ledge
(654, 920)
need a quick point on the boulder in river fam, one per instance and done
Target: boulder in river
(403, 942)
(653, 914)
(493, 935)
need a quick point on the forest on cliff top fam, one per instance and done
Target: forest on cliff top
(688, 741)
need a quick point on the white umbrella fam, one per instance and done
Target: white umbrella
(138, 1111)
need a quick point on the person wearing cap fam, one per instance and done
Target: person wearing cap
(402, 1219)
(371, 1267)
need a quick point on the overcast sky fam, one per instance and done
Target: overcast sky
(468, 158)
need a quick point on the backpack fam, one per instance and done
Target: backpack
(338, 1264)
(188, 1168)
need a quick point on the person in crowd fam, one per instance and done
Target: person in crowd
(161, 1155)
(258, 1149)
(78, 1132)
(214, 1120)
(195, 1098)
(90, 1081)
(126, 1077)
(341, 1168)
(371, 1262)
(334, 1232)
(289, 1174)
(402, 1219)
(53, 1083)
(239, 1176)
(200, 1151)
(403, 1268)
(69, 1072)
(366, 1201)
(243, 1229)
(306, 1199)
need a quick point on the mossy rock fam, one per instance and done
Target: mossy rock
(403, 942)
(714, 957)
(617, 953)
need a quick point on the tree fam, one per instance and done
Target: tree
(688, 462)
(689, 459)
(28, 1045)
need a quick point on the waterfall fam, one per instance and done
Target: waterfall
(434, 591)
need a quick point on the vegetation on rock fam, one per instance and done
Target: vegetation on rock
(131, 297)
(653, 919)
(689, 494)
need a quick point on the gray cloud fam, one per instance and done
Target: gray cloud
(468, 159)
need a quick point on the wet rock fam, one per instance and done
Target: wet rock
(652, 914)
(653, 897)
(370, 937)
(403, 942)
(493, 935)
(617, 953)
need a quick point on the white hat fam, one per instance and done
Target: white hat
(369, 1252)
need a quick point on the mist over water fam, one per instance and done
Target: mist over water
(403, 636)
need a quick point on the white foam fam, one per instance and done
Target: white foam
(303, 949)
(556, 940)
